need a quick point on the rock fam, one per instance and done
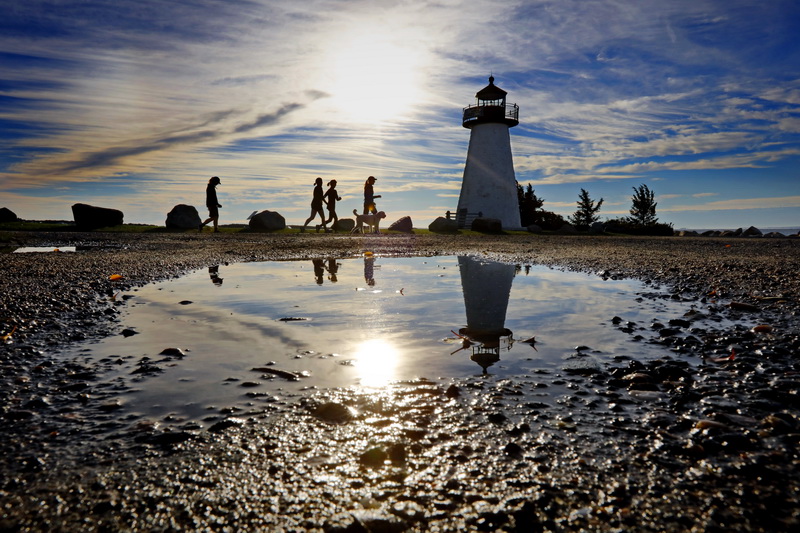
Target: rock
(534, 228)
(7, 215)
(567, 229)
(404, 224)
(374, 457)
(752, 231)
(344, 224)
(228, 423)
(687, 233)
(597, 227)
(487, 225)
(92, 217)
(172, 352)
(183, 216)
(267, 221)
(335, 412)
(165, 439)
(443, 225)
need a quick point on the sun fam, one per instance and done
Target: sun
(374, 77)
(376, 361)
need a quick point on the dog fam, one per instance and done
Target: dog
(371, 220)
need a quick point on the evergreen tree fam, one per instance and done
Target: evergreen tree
(643, 211)
(586, 214)
(529, 204)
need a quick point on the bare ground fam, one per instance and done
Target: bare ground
(680, 447)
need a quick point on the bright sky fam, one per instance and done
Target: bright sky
(134, 105)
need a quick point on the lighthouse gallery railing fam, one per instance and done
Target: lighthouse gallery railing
(482, 111)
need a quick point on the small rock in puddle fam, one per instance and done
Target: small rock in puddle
(335, 412)
(172, 352)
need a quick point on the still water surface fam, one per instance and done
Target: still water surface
(366, 322)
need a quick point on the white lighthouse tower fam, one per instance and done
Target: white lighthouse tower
(487, 288)
(489, 187)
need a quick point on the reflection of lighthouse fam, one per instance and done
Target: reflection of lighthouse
(489, 187)
(487, 287)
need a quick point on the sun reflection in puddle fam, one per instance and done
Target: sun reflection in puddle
(368, 322)
(376, 362)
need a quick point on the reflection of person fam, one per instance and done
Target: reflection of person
(331, 197)
(213, 273)
(369, 195)
(212, 204)
(333, 268)
(319, 270)
(316, 205)
(369, 268)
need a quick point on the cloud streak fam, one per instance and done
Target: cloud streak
(610, 92)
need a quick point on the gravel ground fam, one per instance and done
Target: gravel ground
(695, 441)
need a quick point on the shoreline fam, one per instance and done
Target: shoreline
(710, 451)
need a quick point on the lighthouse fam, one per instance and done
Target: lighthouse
(487, 288)
(489, 187)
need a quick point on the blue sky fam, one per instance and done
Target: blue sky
(134, 105)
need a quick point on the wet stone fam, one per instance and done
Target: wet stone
(374, 457)
(334, 412)
(172, 352)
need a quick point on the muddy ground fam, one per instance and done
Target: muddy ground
(695, 441)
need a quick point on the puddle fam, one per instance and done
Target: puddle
(365, 322)
(44, 249)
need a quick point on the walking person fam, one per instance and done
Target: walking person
(369, 195)
(212, 204)
(331, 197)
(316, 205)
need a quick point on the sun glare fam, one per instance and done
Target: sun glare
(376, 361)
(374, 77)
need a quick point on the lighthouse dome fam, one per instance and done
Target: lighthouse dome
(491, 92)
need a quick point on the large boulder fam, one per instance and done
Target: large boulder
(344, 224)
(183, 216)
(487, 225)
(567, 229)
(443, 225)
(404, 224)
(7, 215)
(535, 228)
(752, 231)
(267, 221)
(93, 217)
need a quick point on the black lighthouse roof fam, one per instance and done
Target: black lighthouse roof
(491, 92)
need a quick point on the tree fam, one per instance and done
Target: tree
(529, 204)
(587, 210)
(643, 211)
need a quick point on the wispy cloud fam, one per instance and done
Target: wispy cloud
(275, 91)
(740, 203)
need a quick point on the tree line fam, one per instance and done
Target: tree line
(642, 219)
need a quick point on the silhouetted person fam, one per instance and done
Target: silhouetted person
(333, 269)
(212, 204)
(369, 195)
(316, 205)
(319, 270)
(369, 270)
(213, 273)
(330, 198)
